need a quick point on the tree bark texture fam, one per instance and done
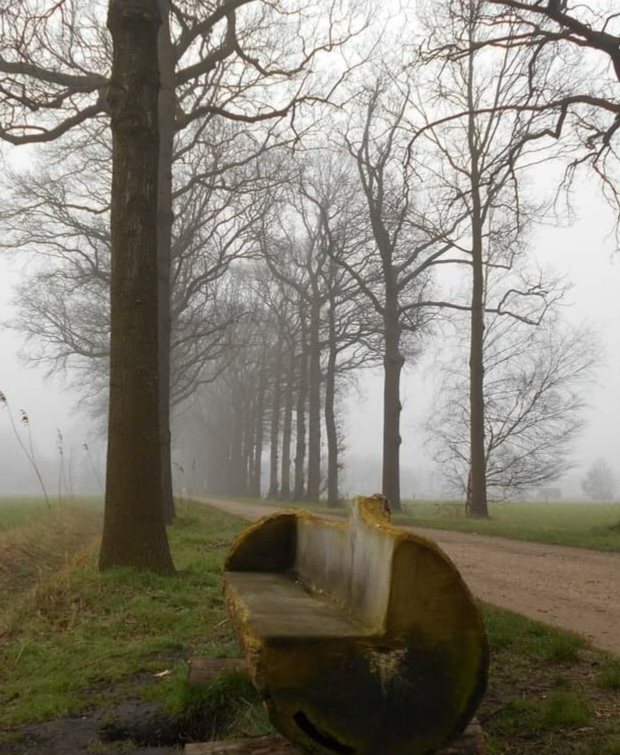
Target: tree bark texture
(134, 534)
(167, 105)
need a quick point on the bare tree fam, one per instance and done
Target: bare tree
(583, 41)
(480, 139)
(534, 377)
(58, 219)
(312, 223)
(52, 59)
(599, 483)
(229, 417)
(292, 258)
(392, 268)
(328, 186)
(134, 533)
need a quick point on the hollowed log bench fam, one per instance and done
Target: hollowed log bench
(361, 637)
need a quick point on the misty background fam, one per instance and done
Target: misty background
(583, 252)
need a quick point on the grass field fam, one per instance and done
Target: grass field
(77, 641)
(18, 511)
(586, 525)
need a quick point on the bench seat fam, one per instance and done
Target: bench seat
(306, 614)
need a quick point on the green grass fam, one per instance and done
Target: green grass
(79, 631)
(78, 640)
(609, 676)
(17, 512)
(545, 694)
(229, 703)
(585, 525)
(21, 511)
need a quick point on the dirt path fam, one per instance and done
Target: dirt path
(570, 588)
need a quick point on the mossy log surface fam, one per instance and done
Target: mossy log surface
(362, 638)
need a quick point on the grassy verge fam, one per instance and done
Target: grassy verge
(549, 693)
(36, 540)
(584, 525)
(79, 641)
(18, 512)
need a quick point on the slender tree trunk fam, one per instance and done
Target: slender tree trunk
(134, 533)
(259, 420)
(331, 427)
(167, 106)
(236, 470)
(300, 414)
(477, 490)
(274, 436)
(393, 362)
(248, 435)
(313, 491)
(287, 429)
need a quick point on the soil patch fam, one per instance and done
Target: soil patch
(132, 728)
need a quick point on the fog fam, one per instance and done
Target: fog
(51, 408)
(582, 252)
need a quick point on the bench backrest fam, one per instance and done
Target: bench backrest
(351, 562)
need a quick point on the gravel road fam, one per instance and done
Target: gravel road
(570, 588)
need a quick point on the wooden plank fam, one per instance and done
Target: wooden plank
(275, 745)
(277, 607)
(203, 671)
(470, 743)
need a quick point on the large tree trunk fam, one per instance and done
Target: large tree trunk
(313, 491)
(393, 362)
(287, 429)
(331, 427)
(477, 489)
(134, 533)
(167, 106)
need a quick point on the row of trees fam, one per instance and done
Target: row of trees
(275, 277)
